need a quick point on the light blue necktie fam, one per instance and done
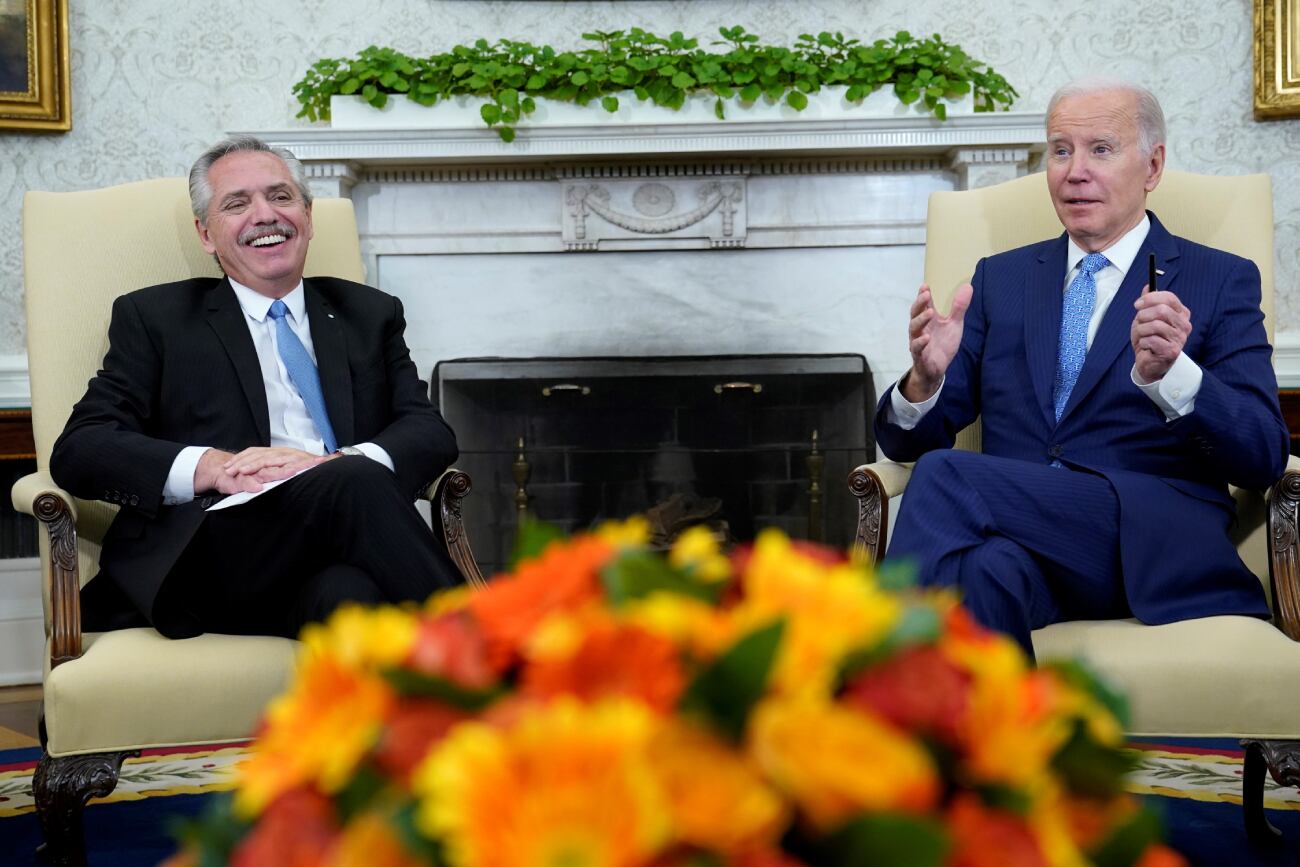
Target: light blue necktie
(302, 370)
(1076, 313)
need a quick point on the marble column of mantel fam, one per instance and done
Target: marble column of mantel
(981, 149)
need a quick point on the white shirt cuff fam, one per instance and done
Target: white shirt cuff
(1176, 392)
(376, 453)
(179, 487)
(903, 412)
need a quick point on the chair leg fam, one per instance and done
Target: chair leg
(61, 787)
(1282, 760)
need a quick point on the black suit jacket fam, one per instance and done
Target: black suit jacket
(181, 370)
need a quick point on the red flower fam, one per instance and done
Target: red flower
(297, 830)
(919, 690)
(990, 838)
(452, 647)
(613, 659)
(413, 730)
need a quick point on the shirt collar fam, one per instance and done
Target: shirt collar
(256, 305)
(1120, 254)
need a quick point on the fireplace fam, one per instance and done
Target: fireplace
(735, 442)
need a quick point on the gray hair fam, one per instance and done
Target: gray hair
(201, 187)
(1150, 117)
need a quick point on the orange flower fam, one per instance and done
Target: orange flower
(297, 830)
(718, 799)
(919, 690)
(314, 734)
(1161, 856)
(983, 837)
(369, 841)
(451, 647)
(567, 786)
(415, 726)
(608, 658)
(818, 753)
(564, 578)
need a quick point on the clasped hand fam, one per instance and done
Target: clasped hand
(249, 470)
(1159, 333)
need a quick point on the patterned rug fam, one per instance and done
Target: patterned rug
(1195, 784)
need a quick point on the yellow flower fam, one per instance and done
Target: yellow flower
(830, 610)
(568, 785)
(696, 626)
(360, 637)
(718, 798)
(697, 551)
(455, 599)
(836, 761)
(632, 533)
(314, 734)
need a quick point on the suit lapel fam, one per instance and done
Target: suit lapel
(1043, 302)
(332, 361)
(1113, 335)
(226, 318)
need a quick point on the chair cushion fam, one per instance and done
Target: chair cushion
(135, 689)
(1213, 676)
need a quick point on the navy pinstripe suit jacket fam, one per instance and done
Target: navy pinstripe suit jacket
(1171, 477)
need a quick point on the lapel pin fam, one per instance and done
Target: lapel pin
(331, 315)
(1160, 272)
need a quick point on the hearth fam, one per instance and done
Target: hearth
(735, 442)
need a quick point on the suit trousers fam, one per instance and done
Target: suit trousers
(1025, 544)
(343, 531)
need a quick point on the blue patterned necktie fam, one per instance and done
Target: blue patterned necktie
(302, 370)
(1076, 313)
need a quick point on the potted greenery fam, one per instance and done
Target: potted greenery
(508, 78)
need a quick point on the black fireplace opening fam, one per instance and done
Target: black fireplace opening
(738, 443)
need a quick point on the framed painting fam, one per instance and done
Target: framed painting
(1277, 58)
(35, 87)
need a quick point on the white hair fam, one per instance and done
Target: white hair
(1150, 117)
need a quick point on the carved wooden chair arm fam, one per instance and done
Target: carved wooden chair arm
(38, 496)
(445, 495)
(873, 485)
(1284, 549)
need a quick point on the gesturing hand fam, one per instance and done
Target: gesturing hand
(1159, 332)
(933, 341)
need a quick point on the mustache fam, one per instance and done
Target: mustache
(261, 231)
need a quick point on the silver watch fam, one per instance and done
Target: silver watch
(350, 450)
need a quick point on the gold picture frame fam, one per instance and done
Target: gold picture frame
(1277, 58)
(35, 87)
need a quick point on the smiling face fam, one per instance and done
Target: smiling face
(257, 223)
(1097, 173)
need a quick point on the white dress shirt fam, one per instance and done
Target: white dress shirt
(1175, 394)
(291, 423)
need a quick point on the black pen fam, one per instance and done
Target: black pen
(1151, 279)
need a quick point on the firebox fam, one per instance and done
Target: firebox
(737, 443)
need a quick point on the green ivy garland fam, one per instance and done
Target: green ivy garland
(511, 74)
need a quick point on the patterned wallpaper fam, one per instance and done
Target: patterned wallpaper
(153, 82)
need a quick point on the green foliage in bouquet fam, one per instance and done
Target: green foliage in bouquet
(511, 74)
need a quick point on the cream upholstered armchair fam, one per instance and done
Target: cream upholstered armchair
(1223, 676)
(107, 696)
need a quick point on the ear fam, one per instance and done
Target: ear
(205, 238)
(309, 228)
(1155, 167)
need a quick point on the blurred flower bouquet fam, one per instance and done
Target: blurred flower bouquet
(606, 705)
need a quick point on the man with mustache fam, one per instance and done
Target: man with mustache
(215, 386)
(1114, 417)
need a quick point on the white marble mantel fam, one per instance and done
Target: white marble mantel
(800, 236)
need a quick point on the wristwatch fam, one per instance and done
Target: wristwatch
(350, 450)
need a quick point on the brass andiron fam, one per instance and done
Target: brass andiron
(814, 463)
(521, 470)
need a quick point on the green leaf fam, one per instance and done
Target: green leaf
(528, 105)
(1126, 844)
(490, 113)
(536, 81)
(886, 840)
(941, 111)
(413, 683)
(718, 111)
(360, 792)
(726, 690)
(750, 93)
(532, 539)
(855, 93)
(215, 832)
(580, 78)
(352, 85)
(638, 574)
(507, 134)
(683, 80)
(509, 98)
(1090, 768)
(797, 100)
(609, 103)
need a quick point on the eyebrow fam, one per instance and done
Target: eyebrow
(273, 188)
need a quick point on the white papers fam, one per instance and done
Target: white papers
(244, 496)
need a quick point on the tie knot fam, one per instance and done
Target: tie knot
(278, 309)
(1091, 264)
